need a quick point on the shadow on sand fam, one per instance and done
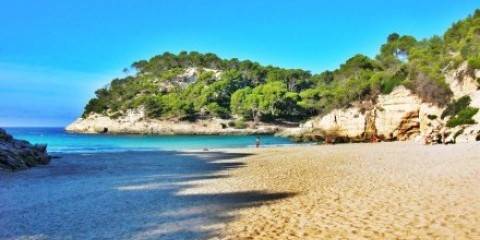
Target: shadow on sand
(132, 195)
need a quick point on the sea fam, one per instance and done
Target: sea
(58, 140)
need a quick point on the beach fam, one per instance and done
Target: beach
(398, 190)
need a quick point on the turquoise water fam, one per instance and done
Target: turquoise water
(60, 141)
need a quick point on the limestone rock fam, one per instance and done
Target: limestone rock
(349, 123)
(469, 134)
(462, 81)
(429, 117)
(396, 115)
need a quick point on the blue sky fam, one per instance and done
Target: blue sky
(54, 54)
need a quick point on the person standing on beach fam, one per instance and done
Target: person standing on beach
(257, 142)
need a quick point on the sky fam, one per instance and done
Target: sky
(55, 53)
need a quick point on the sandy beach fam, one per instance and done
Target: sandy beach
(349, 191)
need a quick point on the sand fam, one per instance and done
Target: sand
(350, 191)
(363, 191)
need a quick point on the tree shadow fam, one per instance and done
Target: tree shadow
(130, 195)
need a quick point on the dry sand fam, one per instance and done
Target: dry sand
(359, 191)
(351, 191)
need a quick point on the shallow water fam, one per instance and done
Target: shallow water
(60, 141)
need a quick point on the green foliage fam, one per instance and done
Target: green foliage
(463, 117)
(255, 92)
(474, 62)
(460, 112)
(269, 101)
(154, 107)
(455, 107)
(240, 124)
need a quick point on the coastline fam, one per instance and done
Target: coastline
(382, 190)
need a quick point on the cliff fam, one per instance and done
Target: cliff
(18, 154)
(400, 115)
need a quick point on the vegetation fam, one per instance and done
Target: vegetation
(460, 112)
(463, 117)
(250, 91)
(455, 107)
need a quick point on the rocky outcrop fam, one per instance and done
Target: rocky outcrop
(135, 122)
(348, 123)
(463, 80)
(400, 115)
(395, 116)
(20, 154)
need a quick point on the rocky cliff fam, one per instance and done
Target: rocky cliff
(400, 115)
(18, 154)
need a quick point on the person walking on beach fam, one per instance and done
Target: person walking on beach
(257, 142)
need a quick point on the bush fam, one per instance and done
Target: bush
(430, 88)
(240, 124)
(456, 106)
(154, 107)
(463, 117)
(474, 62)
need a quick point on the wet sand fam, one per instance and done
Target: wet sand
(353, 191)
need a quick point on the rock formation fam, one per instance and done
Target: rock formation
(400, 115)
(19, 154)
(135, 122)
(393, 117)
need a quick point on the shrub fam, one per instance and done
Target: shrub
(463, 117)
(430, 88)
(456, 106)
(474, 62)
(154, 107)
(240, 124)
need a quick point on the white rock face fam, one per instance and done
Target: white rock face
(429, 117)
(348, 122)
(396, 114)
(400, 115)
(462, 81)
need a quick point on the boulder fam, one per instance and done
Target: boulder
(19, 154)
